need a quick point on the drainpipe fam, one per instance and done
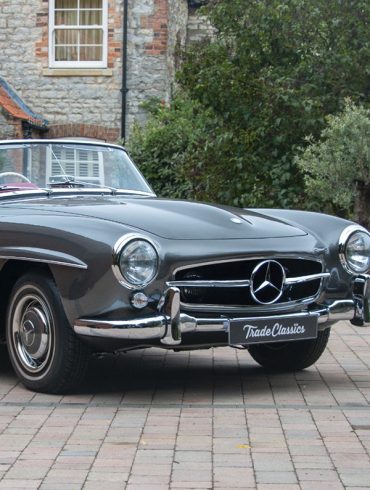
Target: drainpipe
(124, 88)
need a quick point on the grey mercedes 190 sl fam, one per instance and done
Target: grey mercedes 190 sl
(92, 261)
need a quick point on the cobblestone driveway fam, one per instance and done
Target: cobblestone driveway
(207, 419)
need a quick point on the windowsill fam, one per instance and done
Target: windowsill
(77, 72)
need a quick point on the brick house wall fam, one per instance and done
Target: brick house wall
(88, 102)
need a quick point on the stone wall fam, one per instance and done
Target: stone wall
(60, 99)
(177, 36)
(198, 27)
(147, 52)
(81, 102)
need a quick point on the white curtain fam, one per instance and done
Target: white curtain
(78, 43)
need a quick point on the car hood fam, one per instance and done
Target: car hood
(169, 219)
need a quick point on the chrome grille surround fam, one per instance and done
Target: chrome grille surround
(218, 285)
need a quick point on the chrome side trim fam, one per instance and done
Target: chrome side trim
(44, 261)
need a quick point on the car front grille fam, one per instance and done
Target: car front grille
(230, 283)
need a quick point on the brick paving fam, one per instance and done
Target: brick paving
(207, 419)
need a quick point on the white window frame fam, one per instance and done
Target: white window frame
(77, 64)
(97, 180)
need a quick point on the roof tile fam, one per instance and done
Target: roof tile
(16, 108)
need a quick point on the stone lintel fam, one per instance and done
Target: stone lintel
(77, 72)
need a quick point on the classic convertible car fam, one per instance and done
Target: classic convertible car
(92, 261)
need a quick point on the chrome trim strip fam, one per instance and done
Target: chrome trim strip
(60, 192)
(210, 284)
(60, 140)
(310, 277)
(213, 325)
(242, 282)
(97, 190)
(241, 259)
(44, 261)
(25, 192)
(250, 308)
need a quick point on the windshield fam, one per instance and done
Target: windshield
(60, 165)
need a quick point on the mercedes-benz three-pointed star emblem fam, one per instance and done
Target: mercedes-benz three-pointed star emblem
(267, 282)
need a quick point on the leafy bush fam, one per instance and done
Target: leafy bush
(159, 148)
(249, 97)
(176, 145)
(337, 166)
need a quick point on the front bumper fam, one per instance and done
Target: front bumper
(169, 324)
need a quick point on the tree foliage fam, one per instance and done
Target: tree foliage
(268, 78)
(337, 166)
(166, 149)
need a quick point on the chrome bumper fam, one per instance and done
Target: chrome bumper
(169, 324)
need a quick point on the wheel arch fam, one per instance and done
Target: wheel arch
(10, 272)
(46, 355)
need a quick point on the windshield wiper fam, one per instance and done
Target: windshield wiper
(66, 182)
(72, 183)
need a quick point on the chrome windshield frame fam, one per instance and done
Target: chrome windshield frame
(27, 143)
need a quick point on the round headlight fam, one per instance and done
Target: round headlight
(356, 251)
(136, 262)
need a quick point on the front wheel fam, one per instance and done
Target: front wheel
(290, 356)
(45, 353)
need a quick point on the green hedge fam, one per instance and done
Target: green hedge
(248, 99)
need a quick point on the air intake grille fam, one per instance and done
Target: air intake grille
(229, 283)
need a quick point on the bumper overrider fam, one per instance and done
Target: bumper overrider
(168, 325)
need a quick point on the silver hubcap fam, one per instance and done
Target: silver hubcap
(32, 332)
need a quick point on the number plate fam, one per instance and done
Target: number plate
(245, 331)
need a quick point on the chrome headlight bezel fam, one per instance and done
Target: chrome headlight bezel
(344, 239)
(121, 244)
